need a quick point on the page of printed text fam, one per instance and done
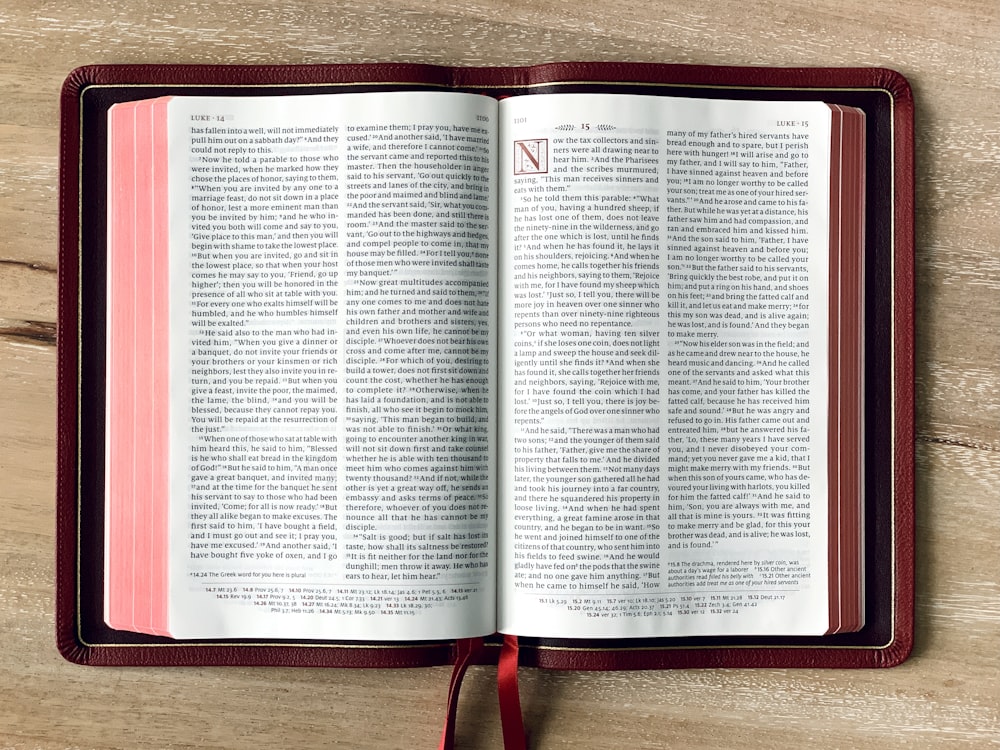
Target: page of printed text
(333, 420)
(664, 277)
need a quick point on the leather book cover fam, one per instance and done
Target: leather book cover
(885, 97)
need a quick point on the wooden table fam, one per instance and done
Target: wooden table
(947, 695)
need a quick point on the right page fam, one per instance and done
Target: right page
(665, 367)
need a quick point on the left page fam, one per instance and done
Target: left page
(331, 366)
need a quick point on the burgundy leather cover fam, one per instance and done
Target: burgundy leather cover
(885, 97)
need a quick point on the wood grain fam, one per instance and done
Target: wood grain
(946, 696)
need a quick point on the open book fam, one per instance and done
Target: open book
(423, 365)
(357, 360)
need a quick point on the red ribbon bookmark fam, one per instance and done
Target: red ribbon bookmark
(511, 721)
(466, 649)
